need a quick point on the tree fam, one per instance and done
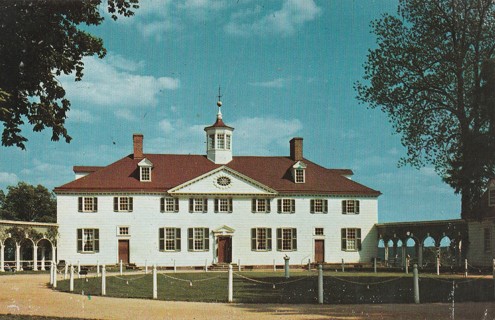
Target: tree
(40, 40)
(26, 202)
(432, 73)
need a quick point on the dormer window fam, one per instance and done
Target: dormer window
(299, 172)
(145, 167)
(491, 197)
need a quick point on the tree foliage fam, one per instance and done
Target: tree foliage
(39, 41)
(26, 202)
(433, 74)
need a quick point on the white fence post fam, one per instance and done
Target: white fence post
(231, 284)
(120, 266)
(343, 267)
(146, 266)
(274, 265)
(103, 281)
(239, 264)
(320, 284)
(78, 269)
(54, 275)
(97, 268)
(155, 288)
(175, 267)
(465, 268)
(66, 271)
(71, 281)
(206, 265)
(438, 266)
(416, 283)
(51, 273)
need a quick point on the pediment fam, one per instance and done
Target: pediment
(222, 180)
(224, 230)
(145, 163)
(299, 165)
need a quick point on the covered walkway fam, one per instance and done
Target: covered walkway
(27, 245)
(423, 242)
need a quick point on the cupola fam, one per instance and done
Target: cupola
(219, 139)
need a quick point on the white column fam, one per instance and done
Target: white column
(35, 258)
(54, 254)
(230, 285)
(43, 257)
(71, 283)
(17, 257)
(2, 257)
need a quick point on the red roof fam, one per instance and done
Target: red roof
(171, 170)
(86, 169)
(219, 124)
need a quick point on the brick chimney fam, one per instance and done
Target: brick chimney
(137, 140)
(296, 149)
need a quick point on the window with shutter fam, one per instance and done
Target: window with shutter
(88, 240)
(351, 239)
(286, 205)
(198, 205)
(123, 204)
(286, 239)
(87, 204)
(169, 204)
(198, 239)
(350, 206)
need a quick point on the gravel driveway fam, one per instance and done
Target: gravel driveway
(29, 295)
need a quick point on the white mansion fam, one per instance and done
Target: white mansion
(192, 210)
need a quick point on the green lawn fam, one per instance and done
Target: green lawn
(301, 287)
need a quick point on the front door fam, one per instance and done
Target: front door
(124, 251)
(319, 250)
(224, 249)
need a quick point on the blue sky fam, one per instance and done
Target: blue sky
(286, 69)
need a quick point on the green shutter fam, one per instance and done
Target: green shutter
(97, 239)
(279, 205)
(205, 205)
(131, 207)
(176, 205)
(358, 236)
(292, 206)
(253, 205)
(191, 205)
(190, 243)
(356, 203)
(161, 239)
(325, 206)
(253, 239)
(80, 204)
(269, 239)
(115, 204)
(294, 239)
(267, 203)
(79, 240)
(343, 235)
(95, 201)
(344, 207)
(177, 239)
(231, 205)
(207, 239)
(279, 239)
(162, 204)
(312, 206)
(216, 205)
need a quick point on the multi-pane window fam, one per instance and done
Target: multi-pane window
(198, 239)
(198, 205)
(223, 205)
(220, 141)
(122, 204)
(124, 231)
(491, 197)
(319, 232)
(319, 206)
(261, 239)
(87, 204)
(286, 205)
(260, 205)
(227, 141)
(145, 173)
(487, 240)
(169, 239)
(350, 206)
(351, 239)
(169, 205)
(211, 141)
(88, 240)
(299, 175)
(287, 239)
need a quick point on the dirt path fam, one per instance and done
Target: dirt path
(29, 294)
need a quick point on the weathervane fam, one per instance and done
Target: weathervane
(219, 102)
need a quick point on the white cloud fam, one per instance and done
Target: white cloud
(125, 114)
(7, 178)
(286, 21)
(78, 115)
(106, 83)
(276, 83)
(271, 134)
